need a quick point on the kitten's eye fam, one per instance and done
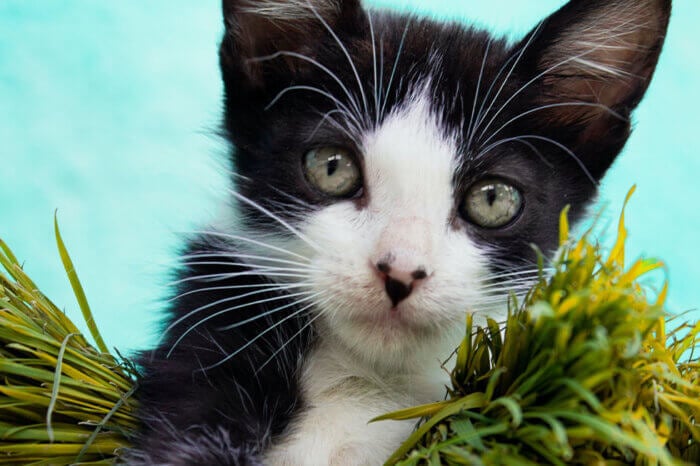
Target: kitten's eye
(333, 171)
(492, 204)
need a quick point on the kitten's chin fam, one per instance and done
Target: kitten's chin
(394, 339)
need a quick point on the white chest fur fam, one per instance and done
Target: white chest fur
(340, 398)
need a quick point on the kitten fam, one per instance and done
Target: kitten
(391, 174)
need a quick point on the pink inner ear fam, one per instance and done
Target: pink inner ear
(606, 57)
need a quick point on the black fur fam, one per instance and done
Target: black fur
(199, 404)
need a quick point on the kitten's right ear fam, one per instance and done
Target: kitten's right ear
(592, 62)
(258, 29)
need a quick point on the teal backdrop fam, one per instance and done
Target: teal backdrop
(108, 111)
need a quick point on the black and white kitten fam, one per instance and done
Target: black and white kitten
(391, 174)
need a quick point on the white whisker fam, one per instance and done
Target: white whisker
(476, 92)
(545, 139)
(533, 80)
(229, 236)
(396, 63)
(226, 276)
(235, 255)
(289, 340)
(285, 53)
(316, 90)
(374, 69)
(252, 267)
(267, 286)
(505, 80)
(270, 312)
(257, 337)
(345, 52)
(222, 312)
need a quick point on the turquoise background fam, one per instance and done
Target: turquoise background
(108, 111)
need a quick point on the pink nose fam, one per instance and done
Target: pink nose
(399, 282)
(402, 256)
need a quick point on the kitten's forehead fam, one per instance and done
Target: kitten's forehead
(410, 160)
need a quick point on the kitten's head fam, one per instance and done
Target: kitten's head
(399, 170)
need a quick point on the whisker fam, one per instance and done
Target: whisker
(225, 276)
(519, 55)
(545, 139)
(537, 152)
(476, 92)
(325, 117)
(227, 299)
(510, 73)
(498, 276)
(229, 236)
(256, 338)
(545, 107)
(533, 80)
(338, 126)
(249, 266)
(287, 53)
(374, 68)
(267, 286)
(240, 256)
(289, 340)
(316, 90)
(345, 52)
(222, 312)
(270, 312)
(396, 63)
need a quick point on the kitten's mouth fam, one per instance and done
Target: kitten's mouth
(393, 318)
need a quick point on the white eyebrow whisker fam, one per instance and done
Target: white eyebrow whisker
(345, 52)
(545, 107)
(374, 68)
(545, 139)
(505, 80)
(396, 63)
(325, 69)
(476, 92)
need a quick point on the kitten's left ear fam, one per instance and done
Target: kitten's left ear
(599, 52)
(257, 29)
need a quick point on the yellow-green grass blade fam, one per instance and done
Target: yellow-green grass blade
(78, 290)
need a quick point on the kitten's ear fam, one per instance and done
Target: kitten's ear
(257, 29)
(600, 52)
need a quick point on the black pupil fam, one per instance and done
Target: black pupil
(332, 166)
(491, 196)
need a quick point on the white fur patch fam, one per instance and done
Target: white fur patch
(372, 360)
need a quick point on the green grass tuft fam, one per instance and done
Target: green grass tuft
(586, 373)
(62, 401)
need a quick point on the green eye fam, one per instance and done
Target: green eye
(492, 204)
(332, 171)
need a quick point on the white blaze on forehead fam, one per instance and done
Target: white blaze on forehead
(410, 163)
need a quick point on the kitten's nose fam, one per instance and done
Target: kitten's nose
(399, 283)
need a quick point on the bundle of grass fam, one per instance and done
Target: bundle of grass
(586, 373)
(62, 401)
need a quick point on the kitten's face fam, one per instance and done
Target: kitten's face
(407, 167)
